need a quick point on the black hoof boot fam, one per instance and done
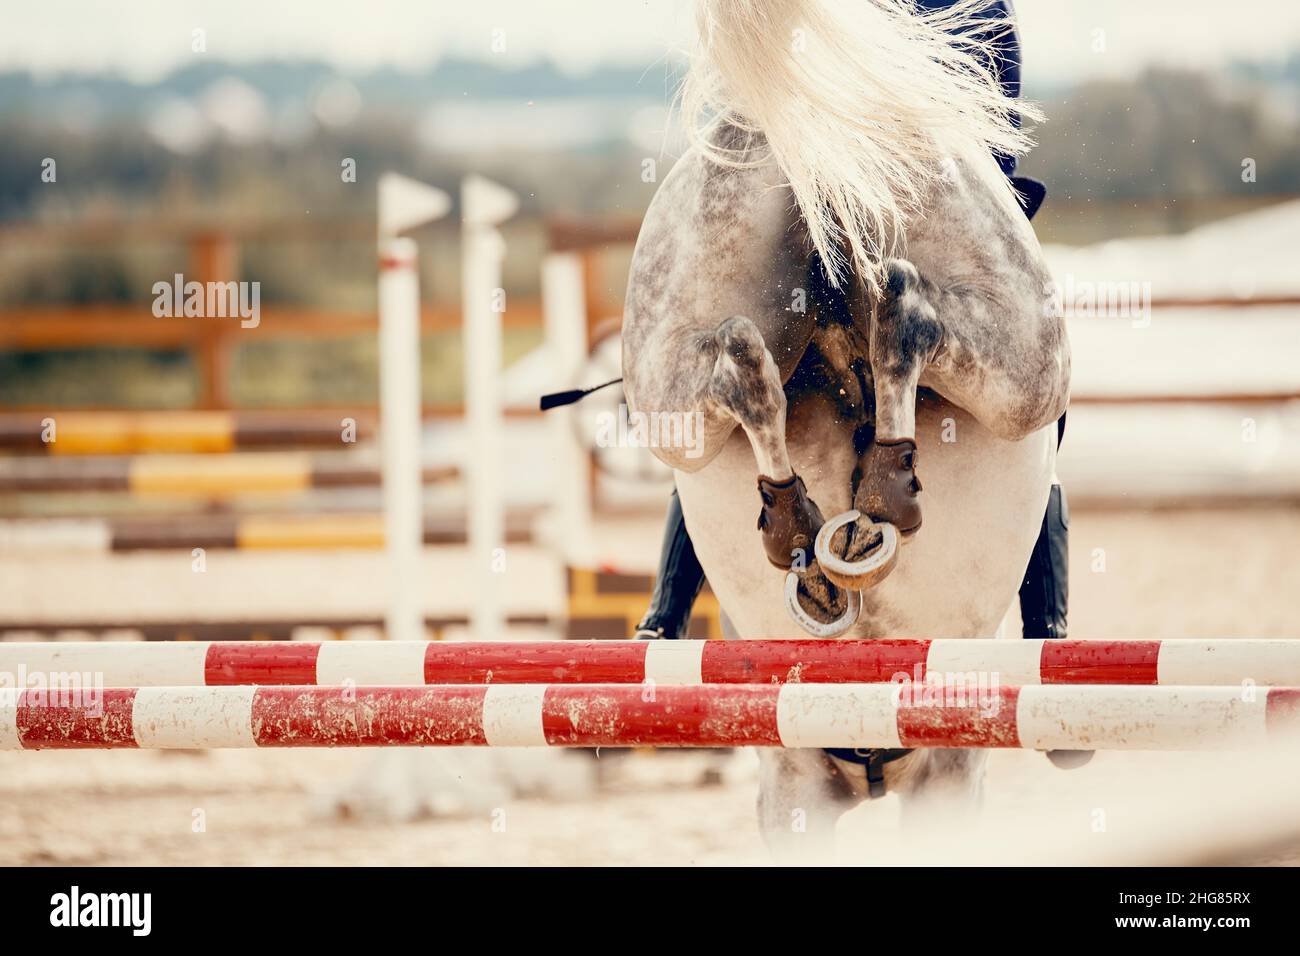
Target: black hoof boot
(677, 582)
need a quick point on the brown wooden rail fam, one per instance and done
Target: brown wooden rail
(213, 254)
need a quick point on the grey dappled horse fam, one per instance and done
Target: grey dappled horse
(856, 134)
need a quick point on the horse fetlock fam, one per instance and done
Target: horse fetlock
(789, 521)
(888, 488)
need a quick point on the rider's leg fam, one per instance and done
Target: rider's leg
(1045, 591)
(677, 582)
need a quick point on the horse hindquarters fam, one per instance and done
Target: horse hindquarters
(985, 499)
(970, 315)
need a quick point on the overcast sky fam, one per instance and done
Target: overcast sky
(145, 38)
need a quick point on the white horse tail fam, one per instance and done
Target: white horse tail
(859, 101)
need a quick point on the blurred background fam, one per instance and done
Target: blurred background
(243, 141)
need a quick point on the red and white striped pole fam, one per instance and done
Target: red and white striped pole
(620, 715)
(414, 663)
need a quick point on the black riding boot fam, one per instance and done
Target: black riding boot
(1045, 591)
(677, 581)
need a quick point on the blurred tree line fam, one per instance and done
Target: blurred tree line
(1120, 157)
(1169, 133)
(1164, 133)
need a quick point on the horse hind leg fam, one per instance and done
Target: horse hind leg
(995, 349)
(904, 337)
(746, 385)
(859, 548)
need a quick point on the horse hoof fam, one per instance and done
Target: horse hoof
(865, 572)
(853, 607)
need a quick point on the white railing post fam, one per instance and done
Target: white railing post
(564, 310)
(403, 204)
(484, 205)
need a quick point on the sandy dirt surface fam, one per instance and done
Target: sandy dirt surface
(1134, 575)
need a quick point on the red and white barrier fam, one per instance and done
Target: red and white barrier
(618, 715)
(415, 663)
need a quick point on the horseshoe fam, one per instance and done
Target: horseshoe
(856, 576)
(809, 623)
